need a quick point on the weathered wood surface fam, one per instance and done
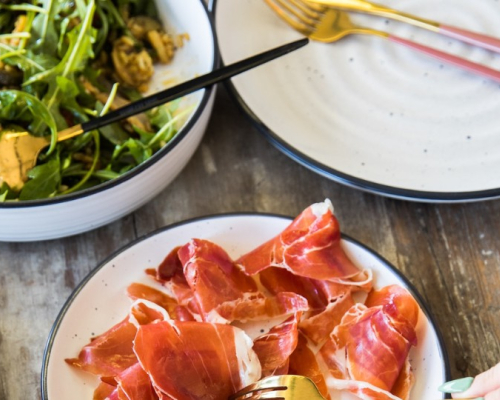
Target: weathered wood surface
(449, 252)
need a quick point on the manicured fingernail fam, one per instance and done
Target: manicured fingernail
(456, 386)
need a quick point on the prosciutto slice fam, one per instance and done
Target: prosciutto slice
(275, 347)
(309, 247)
(223, 292)
(377, 341)
(328, 301)
(398, 302)
(111, 353)
(318, 327)
(303, 362)
(170, 273)
(104, 391)
(194, 360)
(134, 384)
(139, 291)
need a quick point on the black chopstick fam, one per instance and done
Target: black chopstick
(192, 85)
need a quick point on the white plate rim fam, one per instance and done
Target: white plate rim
(341, 177)
(53, 332)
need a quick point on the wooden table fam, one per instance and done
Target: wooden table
(449, 252)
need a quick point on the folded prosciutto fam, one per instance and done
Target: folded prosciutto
(188, 360)
(309, 247)
(222, 292)
(294, 305)
(275, 347)
(375, 342)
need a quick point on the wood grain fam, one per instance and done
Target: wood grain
(448, 252)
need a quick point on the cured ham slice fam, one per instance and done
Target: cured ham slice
(139, 291)
(134, 384)
(223, 292)
(275, 347)
(252, 308)
(318, 327)
(363, 390)
(376, 341)
(110, 353)
(303, 362)
(309, 246)
(399, 300)
(404, 383)
(171, 275)
(328, 301)
(213, 278)
(278, 280)
(194, 360)
(104, 391)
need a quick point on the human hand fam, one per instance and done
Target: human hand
(485, 386)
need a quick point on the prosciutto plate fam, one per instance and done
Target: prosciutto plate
(389, 312)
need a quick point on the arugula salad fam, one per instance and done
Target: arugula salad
(63, 62)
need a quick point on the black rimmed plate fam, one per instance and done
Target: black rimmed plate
(100, 301)
(372, 114)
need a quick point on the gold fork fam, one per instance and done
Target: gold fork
(364, 6)
(284, 387)
(326, 24)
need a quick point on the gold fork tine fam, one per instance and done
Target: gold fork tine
(304, 26)
(312, 12)
(318, 8)
(264, 396)
(306, 19)
(257, 388)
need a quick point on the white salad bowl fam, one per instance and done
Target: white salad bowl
(23, 221)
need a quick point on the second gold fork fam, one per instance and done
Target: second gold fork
(326, 24)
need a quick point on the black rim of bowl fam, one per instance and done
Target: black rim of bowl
(343, 178)
(146, 164)
(83, 283)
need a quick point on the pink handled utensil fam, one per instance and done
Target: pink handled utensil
(363, 6)
(326, 24)
(449, 58)
(476, 39)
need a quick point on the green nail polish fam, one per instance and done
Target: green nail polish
(456, 386)
(479, 398)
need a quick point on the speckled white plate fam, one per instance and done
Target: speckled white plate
(370, 113)
(100, 300)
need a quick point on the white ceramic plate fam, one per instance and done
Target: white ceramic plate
(90, 208)
(100, 300)
(370, 113)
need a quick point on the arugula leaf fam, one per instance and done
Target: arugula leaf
(44, 35)
(44, 181)
(17, 106)
(6, 193)
(79, 51)
(135, 148)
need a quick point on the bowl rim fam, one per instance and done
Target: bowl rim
(346, 179)
(146, 164)
(79, 287)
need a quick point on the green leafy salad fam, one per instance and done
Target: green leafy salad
(63, 62)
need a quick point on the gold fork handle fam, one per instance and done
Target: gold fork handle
(69, 133)
(382, 11)
(476, 39)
